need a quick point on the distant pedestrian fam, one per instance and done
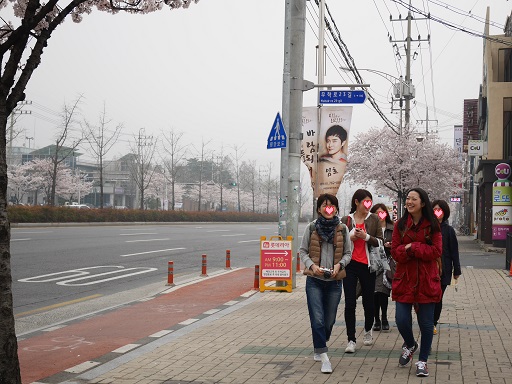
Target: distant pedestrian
(416, 246)
(382, 280)
(365, 230)
(325, 251)
(450, 258)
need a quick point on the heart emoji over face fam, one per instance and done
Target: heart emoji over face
(438, 212)
(382, 215)
(367, 204)
(329, 209)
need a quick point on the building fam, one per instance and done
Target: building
(494, 125)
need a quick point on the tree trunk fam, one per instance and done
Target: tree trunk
(9, 363)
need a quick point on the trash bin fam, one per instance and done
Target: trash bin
(508, 253)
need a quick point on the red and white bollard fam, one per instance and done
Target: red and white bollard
(170, 274)
(203, 266)
(228, 259)
(298, 262)
(256, 277)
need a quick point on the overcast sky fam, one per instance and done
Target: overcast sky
(214, 71)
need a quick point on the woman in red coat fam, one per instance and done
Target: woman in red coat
(416, 245)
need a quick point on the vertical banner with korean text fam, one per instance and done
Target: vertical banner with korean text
(325, 134)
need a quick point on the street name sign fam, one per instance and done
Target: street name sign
(342, 97)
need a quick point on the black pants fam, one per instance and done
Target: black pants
(439, 306)
(358, 271)
(381, 304)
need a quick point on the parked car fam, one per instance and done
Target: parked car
(77, 206)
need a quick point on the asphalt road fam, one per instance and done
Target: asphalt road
(53, 266)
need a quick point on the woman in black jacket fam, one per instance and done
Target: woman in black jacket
(450, 257)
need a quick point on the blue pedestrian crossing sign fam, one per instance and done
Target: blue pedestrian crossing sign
(277, 137)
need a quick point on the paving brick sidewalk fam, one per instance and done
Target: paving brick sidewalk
(267, 339)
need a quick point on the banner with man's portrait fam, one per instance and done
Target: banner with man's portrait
(325, 134)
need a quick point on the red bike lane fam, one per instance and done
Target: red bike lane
(55, 351)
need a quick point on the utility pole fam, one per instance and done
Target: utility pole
(17, 111)
(426, 122)
(142, 141)
(293, 84)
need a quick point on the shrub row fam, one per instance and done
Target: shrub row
(48, 214)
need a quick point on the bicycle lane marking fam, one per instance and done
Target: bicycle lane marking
(53, 352)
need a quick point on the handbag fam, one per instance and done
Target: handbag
(378, 258)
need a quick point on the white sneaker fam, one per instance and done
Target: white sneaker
(317, 357)
(368, 338)
(326, 367)
(351, 347)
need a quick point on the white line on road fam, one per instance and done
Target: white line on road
(146, 240)
(159, 250)
(237, 234)
(247, 241)
(27, 232)
(218, 230)
(135, 234)
(21, 239)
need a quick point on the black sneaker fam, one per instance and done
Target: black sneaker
(385, 325)
(406, 355)
(421, 369)
(376, 325)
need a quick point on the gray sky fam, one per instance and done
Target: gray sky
(214, 71)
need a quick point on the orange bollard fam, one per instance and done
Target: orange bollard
(256, 277)
(170, 273)
(298, 262)
(510, 273)
(228, 259)
(203, 266)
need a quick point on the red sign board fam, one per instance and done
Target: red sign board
(276, 259)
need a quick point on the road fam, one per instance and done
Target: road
(52, 266)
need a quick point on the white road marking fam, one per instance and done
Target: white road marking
(188, 322)
(27, 232)
(136, 234)
(232, 302)
(159, 250)
(248, 241)
(211, 311)
(82, 367)
(126, 348)
(141, 241)
(161, 333)
(237, 234)
(21, 239)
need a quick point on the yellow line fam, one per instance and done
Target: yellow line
(56, 305)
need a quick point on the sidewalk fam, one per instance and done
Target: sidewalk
(266, 338)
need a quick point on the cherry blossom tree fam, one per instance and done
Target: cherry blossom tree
(22, 42)
(23, 179)
(397, 163)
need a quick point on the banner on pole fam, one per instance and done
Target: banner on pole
(325, 136)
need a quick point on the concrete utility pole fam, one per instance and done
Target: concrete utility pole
(426, 122)
(293, 84)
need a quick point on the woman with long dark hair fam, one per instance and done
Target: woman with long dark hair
(416, 246)
(365, 231)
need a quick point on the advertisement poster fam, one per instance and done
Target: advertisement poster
(325, 146)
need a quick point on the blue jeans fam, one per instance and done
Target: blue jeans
(425, 318)
(323, 299)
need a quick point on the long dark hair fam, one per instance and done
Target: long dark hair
(426, 211)
(359, 195)
(385, 209)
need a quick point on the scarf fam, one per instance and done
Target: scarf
(325, 228)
